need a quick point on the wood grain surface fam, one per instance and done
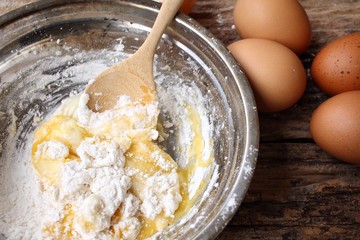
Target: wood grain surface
(298, 191)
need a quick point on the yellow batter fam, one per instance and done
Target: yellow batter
(134, 131)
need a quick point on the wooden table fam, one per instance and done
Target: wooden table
(298, 191)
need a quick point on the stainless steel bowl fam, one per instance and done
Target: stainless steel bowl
(39, 32)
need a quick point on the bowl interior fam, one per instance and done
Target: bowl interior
(67, 44)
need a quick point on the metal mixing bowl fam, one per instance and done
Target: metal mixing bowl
(43, 32)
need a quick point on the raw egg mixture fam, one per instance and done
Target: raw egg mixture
(105, 176)
(84, 171)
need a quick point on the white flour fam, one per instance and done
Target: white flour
(162, 193)
(53, 150)
(95, 187)
(21, 197)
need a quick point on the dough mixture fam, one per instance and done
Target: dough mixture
(104, 176)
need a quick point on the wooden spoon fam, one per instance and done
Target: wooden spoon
(133, 77)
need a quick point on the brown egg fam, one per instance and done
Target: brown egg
(336, 68)
(275, 73)
(284, 21)
(186, 7)
(335, 126)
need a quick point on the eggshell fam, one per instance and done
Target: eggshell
(187, 6)
(275, 73)
(335, 126)
(336, 68)
(284, 21)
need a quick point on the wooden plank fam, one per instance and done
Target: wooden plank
(298, 192)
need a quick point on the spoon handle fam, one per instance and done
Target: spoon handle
(166, 14)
